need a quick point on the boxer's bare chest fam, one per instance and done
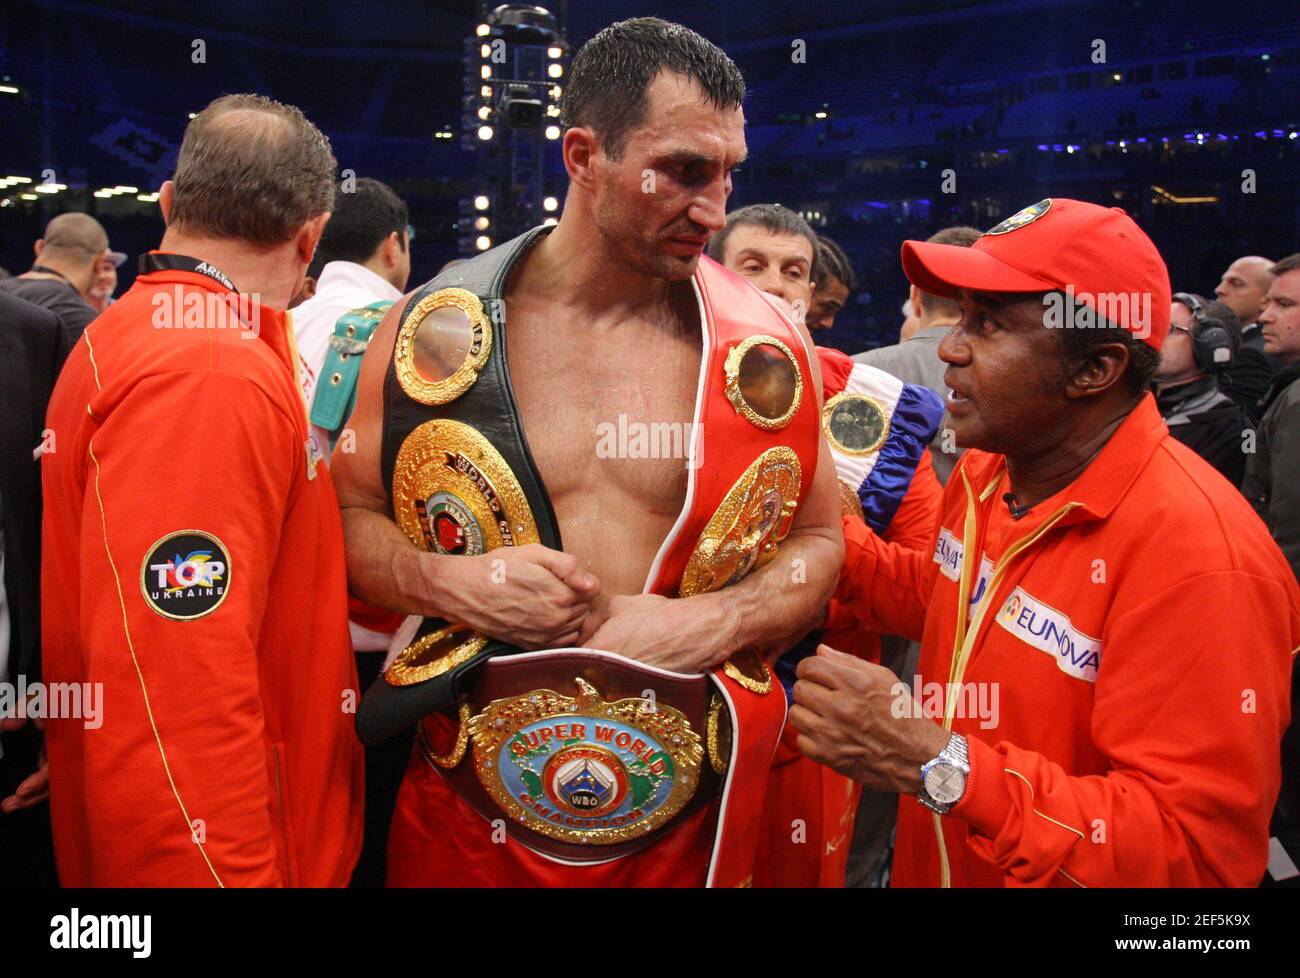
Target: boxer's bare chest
(607, 410)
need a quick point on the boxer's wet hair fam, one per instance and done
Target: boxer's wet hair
(251, 169)
(611, 72)
(771, 217)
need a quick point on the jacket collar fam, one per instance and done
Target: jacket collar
(349, 278)
(1105, 481)
(1289, 375)
(1170, 400)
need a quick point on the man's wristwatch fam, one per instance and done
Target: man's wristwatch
(943, 779)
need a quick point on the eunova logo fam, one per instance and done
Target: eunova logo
(185, 575)
(1051, 631)
(948, 554)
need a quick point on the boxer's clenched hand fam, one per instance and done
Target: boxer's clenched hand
(671, 633)
(531, 596)
(844, 713)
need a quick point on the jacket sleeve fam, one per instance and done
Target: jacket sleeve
(180, 778)
(882, 587)
(1191, 724)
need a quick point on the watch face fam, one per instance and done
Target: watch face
(945, 783)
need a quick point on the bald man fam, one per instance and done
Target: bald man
(1242, 289)
(64, 270)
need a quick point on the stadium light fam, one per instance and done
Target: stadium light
(485, 133)
(481, 202)
(482, 242)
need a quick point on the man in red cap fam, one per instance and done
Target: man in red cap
(1107, 630)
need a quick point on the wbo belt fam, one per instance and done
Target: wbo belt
(589, 755)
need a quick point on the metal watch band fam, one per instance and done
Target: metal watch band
(955, 752)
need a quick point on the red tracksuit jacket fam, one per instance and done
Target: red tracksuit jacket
(226, 754)
(1139, 630)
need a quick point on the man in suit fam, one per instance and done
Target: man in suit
(32, 348)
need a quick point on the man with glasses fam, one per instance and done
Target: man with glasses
(1204, 338)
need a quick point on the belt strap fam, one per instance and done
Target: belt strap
(336, 392)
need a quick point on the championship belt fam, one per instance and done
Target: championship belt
(568, 746)
(878, 428)
(586, 755)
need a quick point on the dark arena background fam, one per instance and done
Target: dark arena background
(878, 121)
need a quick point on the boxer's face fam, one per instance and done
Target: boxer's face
(1005, 374)
(659, 202)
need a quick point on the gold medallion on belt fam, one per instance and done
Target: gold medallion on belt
(442, 345)
(744, 534)
(454, 494)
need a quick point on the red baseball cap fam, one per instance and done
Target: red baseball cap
(1096, 255)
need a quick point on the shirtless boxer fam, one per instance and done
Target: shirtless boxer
(604, 317)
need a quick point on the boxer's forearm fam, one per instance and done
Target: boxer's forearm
(383, 568)
(775, 606)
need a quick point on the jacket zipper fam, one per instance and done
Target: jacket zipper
(965, 637)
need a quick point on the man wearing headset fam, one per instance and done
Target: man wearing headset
(1203, 341)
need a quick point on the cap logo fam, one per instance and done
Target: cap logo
(1022, 217)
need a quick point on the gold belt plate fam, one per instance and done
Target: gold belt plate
(443, 344)
(454, 494)
(744, 532)
(583, 770)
